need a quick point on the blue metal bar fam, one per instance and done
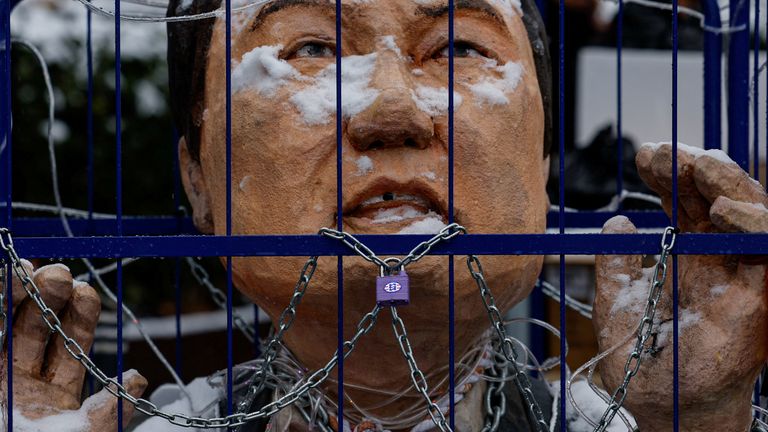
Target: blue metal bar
(619, 130)
(89, 119)
(755, 96)
(713, 52)
(675, 341)
(339, 224)
(305, 245)
(451, 282)
(119, 220)
(561, 215)
(228, 126)
(738, 84)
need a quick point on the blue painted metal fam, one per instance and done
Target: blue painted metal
(619, 130)
(339, 224)
(451, 287)
(119, 186)
(713, 54)
(305, 245)
(675, 341)
(228, 126)
(561, 215)
(738, 84)
(89, 118)
(756, 94)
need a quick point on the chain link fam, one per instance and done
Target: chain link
(507, 345)
(414, 255)
(418, 378)
(632, 366)
(218, 297)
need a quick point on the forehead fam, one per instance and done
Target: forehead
(371, 12)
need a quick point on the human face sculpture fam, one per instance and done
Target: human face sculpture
(395, 161)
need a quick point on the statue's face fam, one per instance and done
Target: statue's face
(395, 148)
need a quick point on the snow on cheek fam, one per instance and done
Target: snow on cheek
(262, 70)
(493, 91)
(434, 101)
(317, 101)
(364, 165)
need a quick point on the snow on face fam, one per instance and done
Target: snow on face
(434, 101)
(508, 7)
(388, 42)
(317, 102)
(430, 225)
(261, 70)
(364, 165)
(493, 91)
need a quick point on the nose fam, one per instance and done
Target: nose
(393, 119)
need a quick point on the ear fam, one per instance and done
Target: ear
(194, 185)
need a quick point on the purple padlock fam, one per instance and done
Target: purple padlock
(393, 290)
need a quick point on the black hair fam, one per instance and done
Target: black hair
(189, 41)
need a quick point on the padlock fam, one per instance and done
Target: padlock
(392, 290)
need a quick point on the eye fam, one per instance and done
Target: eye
(460, 49)
(313, 50)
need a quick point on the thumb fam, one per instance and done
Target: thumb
(102, 407)
(614, 276)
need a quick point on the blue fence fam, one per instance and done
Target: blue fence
(174, 236)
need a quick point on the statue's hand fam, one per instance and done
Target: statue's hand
(47, 381)
(723, 313)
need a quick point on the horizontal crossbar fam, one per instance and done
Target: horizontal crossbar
(385, 245)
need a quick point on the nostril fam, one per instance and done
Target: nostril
(376, 144)
(410, 142)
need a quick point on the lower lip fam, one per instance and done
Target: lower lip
(395, 220)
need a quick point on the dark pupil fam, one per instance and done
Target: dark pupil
(314, 50)
(461, 50)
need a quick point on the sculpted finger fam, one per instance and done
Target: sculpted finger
(30, 334)
(102, 407)
(615, 275)
(738, 216)
(19, 294)
(716, 177)
(694, 208)
(78, 320)
(643, 161)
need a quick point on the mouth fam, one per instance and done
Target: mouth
(389, 207)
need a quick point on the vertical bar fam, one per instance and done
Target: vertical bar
(228, 65)
(451, 288)
(119, 174)
(89, 119)
(561, 216)
(340, 224)
(5, 186)
(713, 52)
(738, 85)
(755, 96)
(675, 293)
(619, 131)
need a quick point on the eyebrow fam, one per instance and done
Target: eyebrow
(476, 5)
(279, 5)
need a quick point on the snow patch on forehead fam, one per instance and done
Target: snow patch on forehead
(434, 101)
(493, 91)
(262, 70)
(317, 102)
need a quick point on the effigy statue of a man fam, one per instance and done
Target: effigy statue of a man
(395, 134)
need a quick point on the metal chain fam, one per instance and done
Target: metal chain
(146, 407)
(3, 296)
(418, 378)
(414, 255)
(632, 366)
(218, 297)
(507, 345)
(495, 389)
(256, 384)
